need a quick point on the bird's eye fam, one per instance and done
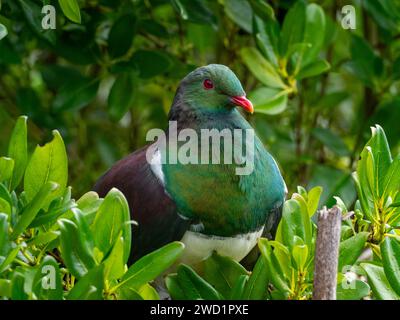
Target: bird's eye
(208, 84)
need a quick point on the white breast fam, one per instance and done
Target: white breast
(154, 156)
(199, 246)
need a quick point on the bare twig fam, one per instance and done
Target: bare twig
(326, 254)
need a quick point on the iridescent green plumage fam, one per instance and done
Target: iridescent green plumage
(213, 195)
(207, 206)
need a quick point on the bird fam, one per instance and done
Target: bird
(207, 206)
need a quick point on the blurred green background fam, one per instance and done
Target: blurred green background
(108, 73)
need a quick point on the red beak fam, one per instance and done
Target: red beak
(243, 102)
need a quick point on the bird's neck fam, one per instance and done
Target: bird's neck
(194, 116)
(189, 112)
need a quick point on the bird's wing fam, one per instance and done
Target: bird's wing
(153, 210)
(271, 225)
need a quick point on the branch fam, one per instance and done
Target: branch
(327, 253)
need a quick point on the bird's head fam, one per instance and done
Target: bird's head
(212, 88)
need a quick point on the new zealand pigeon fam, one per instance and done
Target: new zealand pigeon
(207, 206)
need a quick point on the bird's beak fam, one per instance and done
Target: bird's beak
(243, 102)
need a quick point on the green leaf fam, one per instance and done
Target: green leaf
(379, 283)
(18, 151)
(121, 95)
(203, 38)
(76, 95)
(352, 291)
(351, 249)
(128, 294)
(6, 197)
(384, 13)
(114, 263)
(332, 141)
(266, 35)
(150, 63)
(51, 75)
(262, 9)
(295, 54)
(365, 64)
(6, 168)
(18, 291)
(276, 276)
(67, 48)
(284, 257)
(75, 250)
(174, 288)
(391, 181)
(381, 155)
(44, 238)
(111, 218)
(33, 15)
(256, 286)
(364, 203)
(47, 283)
(268, 100)
(90, 287)
(240, 12)
(5, 288)
(300, 255)
(371, 171)
(28, 101)
(3, 31)
(57, 208)
(390, 249)
(49, 189)
(4, 238)
(313, 69)
(332, 100)
(89, 203)
(346, 232)
(150, 266)
(302, 192)
(193, 286)
(313, 200)
(121, 35)
(293, 27)
(314, 31)
(194, 11)
(295, 222)
(84, 230)
(9, 259)
(148, 293)
(239, 287)
(71, 10)
(364, 178)
(222, 273)
(9, 55)
(261, 68)
(153, 27)
(48, 163)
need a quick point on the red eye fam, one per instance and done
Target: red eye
(208, 84)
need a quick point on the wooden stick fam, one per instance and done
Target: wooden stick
(327, 254)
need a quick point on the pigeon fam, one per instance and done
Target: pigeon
(188, 189)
